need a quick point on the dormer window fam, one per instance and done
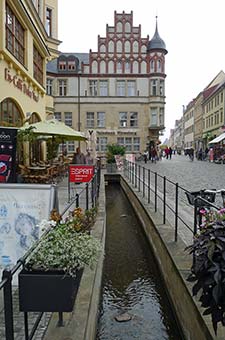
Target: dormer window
(62, 65)
(71, 65)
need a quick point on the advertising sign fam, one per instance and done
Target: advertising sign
(81, 173)
(8, 155)
(22, 208)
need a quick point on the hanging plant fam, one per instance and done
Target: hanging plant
(208, 269)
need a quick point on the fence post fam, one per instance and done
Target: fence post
(87, 197)
(156, 191)
(92, 192)
(135, 179)
(139, 177)
(132, 173)
(149, 185)
(143, 181)
(8, 306)
(176, 212)
(77, 200)
(164, 200)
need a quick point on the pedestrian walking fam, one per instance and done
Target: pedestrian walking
(145, 156)
(78, 157)
(170, 152)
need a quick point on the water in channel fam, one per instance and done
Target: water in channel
(131, 279)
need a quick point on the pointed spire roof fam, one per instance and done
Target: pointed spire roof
(156, 43)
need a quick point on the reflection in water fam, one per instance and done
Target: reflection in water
(131, 280)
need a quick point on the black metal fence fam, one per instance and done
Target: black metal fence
(167, 197)
(86, 198)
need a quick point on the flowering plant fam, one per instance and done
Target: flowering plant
(208, 269)
(67, 246)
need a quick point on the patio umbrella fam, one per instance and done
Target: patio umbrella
(53, 127)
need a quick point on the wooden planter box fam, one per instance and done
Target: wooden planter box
(52, 291)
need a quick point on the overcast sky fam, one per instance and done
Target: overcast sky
(193, 31)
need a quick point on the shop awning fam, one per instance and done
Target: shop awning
(218, 139)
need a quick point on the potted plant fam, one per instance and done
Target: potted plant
(51, 275)
(112, 151)
(208, 269)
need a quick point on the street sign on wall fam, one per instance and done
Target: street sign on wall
(81, 173)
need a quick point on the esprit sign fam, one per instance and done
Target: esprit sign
(20, 85)
(81, 173)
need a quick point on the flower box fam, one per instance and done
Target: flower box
(47, 291)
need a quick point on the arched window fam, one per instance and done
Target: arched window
(102, 48)
(34, 118)
(102, 67)
(152, 64)
(143, 49)
(159, 65)
(111, 67)
(119, 47)
(111, 46)
(127, 27)
(119, 27)
(135, 67)
(10, 114)
(119, 67)
(127, 46)
(127, 67)
(143, 67)
(135, 47)
(94, 67)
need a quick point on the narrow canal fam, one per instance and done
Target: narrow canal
(132, 285)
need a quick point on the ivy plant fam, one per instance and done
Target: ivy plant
(208, 269)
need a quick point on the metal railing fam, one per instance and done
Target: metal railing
(85, 199)
(165, 196)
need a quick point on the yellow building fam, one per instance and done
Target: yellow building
(28, 39)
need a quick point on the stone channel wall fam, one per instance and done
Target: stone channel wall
(174, 263)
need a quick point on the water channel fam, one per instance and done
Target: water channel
(131, 280)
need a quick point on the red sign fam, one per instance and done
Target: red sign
(81, 173)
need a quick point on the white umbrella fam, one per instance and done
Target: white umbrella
(53, 127)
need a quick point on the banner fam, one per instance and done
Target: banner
(8, 155)
(119, 162)
(81, 173)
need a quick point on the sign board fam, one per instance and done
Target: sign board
(8, 155)
(22, 208)
(81, 173)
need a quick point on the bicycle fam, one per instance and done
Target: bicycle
(203, 200)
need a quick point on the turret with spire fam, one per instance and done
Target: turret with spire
(156, 43)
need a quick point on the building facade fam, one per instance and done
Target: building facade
(28, 38)
(116, 94)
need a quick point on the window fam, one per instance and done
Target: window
(159, 65)
(93, 87)
(49, 87)
(68, 118)
(161, 87)
(70, 146)
(62, 65)
(161, 117)
(128, 143)
(136, 144)
(152, 66)
(131, 88)
(71, 65)
(221, 115)
(14, 39)
(120, 88)
(119, 67)
(103, 88)
(153, 87)
(90, 122)
(100, 119)
(62, 87)
(102, 143)
(123, 119)
(48, 24)
(10, 114)
(37, 65)
(133, 119)
(153, 117)
(58, 116)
